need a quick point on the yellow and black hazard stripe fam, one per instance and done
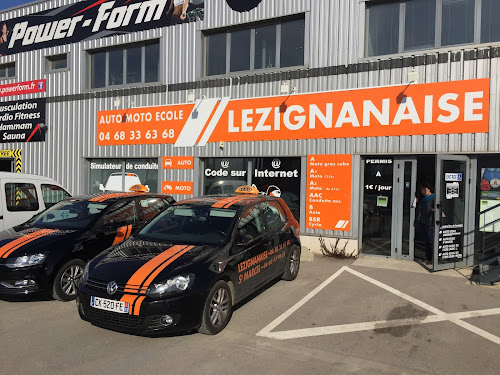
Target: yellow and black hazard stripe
(122, 233)
(142, 278)
(9, 248)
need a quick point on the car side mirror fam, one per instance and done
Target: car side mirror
(101, 187)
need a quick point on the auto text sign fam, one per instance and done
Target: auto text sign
(22, 121)
(21, 88)
(329, 192)
(431, 108)
(178, 162)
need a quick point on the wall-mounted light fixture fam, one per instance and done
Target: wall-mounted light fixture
(412, 76)
(118, 101)
(191, 98)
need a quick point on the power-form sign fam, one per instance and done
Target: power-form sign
(329, 192)
(21, 88)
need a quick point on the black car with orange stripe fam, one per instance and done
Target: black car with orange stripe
(49, 252)
(189, 266)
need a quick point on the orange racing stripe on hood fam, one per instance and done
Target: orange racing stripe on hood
(142, 278)
(9, 248)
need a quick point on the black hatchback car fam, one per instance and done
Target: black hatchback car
(189, 266)
(49, 252)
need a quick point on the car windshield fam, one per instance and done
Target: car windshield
(69, 214)
(195, 225)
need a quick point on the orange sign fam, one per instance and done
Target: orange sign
(416, 109)
(137, 126)
(178, 162)
(329, 192)
(177, 187)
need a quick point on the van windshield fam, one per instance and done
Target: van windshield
(194, 225)
(69, 214)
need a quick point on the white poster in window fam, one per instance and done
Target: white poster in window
(452, 190)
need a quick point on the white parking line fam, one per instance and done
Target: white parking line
(439, 316)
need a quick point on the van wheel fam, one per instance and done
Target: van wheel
(218, 309)
(66, 281)
(292, 265)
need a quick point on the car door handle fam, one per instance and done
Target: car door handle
(1, 217)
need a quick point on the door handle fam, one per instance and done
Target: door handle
(1, 217)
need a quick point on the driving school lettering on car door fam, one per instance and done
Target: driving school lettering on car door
(253, 266)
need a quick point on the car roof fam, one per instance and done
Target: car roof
(17, 176)
(233, 201)
(111, 197)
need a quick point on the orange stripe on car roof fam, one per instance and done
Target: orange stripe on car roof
(225, 201)
(105, 197)
(7, 249)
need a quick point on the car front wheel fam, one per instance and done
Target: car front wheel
(217, 310)
(292, 265)
(66, 280)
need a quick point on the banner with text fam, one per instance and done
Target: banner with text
(21, 88)
(177, 187)
(93, 19)
(22, 121)
(431, 108)
(329, 192)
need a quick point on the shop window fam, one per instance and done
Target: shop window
(52, 194)
(225, 175)
(276, 45)
(399, 25)
(121, 174)
(8, 70)
(122, 66)
(21, 197)
(56, 62)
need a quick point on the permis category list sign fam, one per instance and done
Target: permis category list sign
(329, 192)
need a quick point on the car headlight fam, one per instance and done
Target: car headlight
(26, 260)
(175, 284)
(85, 275)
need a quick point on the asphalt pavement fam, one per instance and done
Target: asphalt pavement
(369, 316)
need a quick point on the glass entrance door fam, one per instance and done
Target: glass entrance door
(388, 216)
(452, 211)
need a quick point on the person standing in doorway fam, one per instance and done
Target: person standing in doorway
(425, 218)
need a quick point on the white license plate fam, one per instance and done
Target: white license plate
(109, 305)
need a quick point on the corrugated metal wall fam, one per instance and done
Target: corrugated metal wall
(334, 37)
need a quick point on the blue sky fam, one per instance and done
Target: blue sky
(5, 4)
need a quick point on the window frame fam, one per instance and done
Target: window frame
(49, 60)
(8, 65)
(31, 189)
(43, 189)
(252, 27)
(124, 48)
(438, 29)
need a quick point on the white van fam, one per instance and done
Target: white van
(116, 179)
(23, 195)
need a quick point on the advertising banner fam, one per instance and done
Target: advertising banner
(417, 109)
(22, 121)
(329, 192)
(21, 88)
(93, 19)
